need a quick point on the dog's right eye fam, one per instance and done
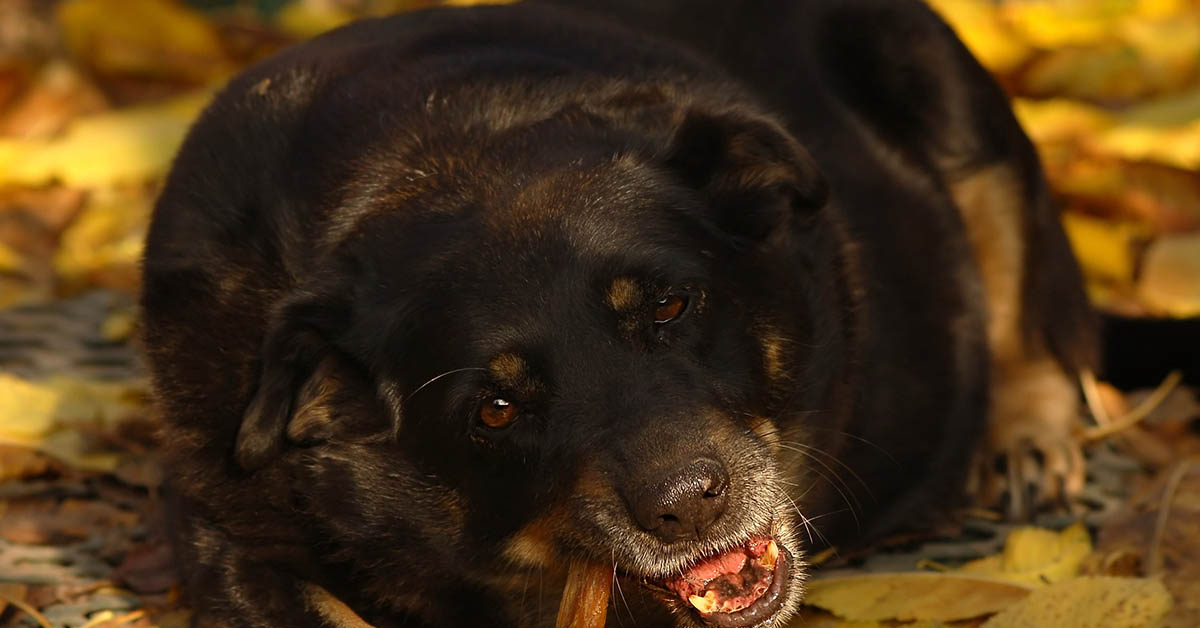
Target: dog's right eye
(498, 412)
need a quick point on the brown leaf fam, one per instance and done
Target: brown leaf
(11, 591)
(1170, 277)
(42, 522)
(18, 463)
(57, 96)
(155, 39)
(147, 568)
(1135, 531)
(1090, 602)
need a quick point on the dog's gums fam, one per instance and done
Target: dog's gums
(738, 587)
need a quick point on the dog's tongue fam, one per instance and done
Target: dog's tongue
(731, 581)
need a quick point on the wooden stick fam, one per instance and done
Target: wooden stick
(585, 598)
(332, 610)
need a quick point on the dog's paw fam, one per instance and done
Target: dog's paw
(1032, 457)
(1028, 474)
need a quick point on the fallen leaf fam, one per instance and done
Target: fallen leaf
(1106, 250)
(104, 244)
(913, 596)
(43, 522)
(1175, 546)
(1170, 279)
(135, 144)
(146, 38)
(1036, 556)
(55, 416)
(984, 31)
(118, 326)
(147, 568)
(18, 463)
(58, 95)
(1090, 602)
(11, 591)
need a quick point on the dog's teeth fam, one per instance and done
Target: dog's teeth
(706, 604)
(770, 556)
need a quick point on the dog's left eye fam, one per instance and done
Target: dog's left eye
(669, 309)
(498, 412)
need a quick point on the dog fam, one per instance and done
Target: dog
(436, 303)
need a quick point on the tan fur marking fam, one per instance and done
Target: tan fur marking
(773, 354)
(990, 204)
(1033, 402)
(766, 430)
(533, 544)
(624, 294)
(508, 367)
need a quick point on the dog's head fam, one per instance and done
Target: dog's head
(580, 335)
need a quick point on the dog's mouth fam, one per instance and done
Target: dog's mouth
(742, 586)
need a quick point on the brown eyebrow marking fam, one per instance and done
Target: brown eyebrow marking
(773, 353)
(508, 368)
(624, 294)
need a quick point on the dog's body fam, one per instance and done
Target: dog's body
(438, 302)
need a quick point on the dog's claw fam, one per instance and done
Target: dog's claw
(1028, 474)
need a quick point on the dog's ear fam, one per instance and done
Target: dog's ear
(753, 172)
(304, 387)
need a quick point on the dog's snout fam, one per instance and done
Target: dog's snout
(681, 504)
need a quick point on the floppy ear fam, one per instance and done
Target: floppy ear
(304, 386)
(754, 173)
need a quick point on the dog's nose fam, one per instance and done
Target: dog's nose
(683, 503)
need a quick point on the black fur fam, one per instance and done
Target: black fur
(356, 228)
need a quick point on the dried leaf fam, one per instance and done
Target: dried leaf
(982, 28)
(1170, 277)
(1105, 249)
(11, 591)
(58, 95)
(17, 463)
(52, 415)
(914, 596)
(145, 38)
(1090, 602)
(1170, 538)
(1036, 556)
(104, 244)
(129, 145)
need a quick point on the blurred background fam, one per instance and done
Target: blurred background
(96, 95)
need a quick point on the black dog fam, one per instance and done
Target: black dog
(436, 304)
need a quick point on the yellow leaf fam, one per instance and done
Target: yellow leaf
(119, 325)
(1090, 602)
(32, 410)
(1177, 146)
(1105, 249)
(1058, 120)
(1036, 556)
(152, 38)
(913, 596)
(1170, 277)
(1056, 23)
(10, 260)
(979, 24)
(304, 20)
(52, 415)
(129, 145)
(108, 234)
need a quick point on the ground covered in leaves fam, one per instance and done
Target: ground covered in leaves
(95, 96)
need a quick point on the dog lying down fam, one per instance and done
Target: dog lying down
(440, 304)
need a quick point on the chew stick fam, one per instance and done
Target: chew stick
(585, 598)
